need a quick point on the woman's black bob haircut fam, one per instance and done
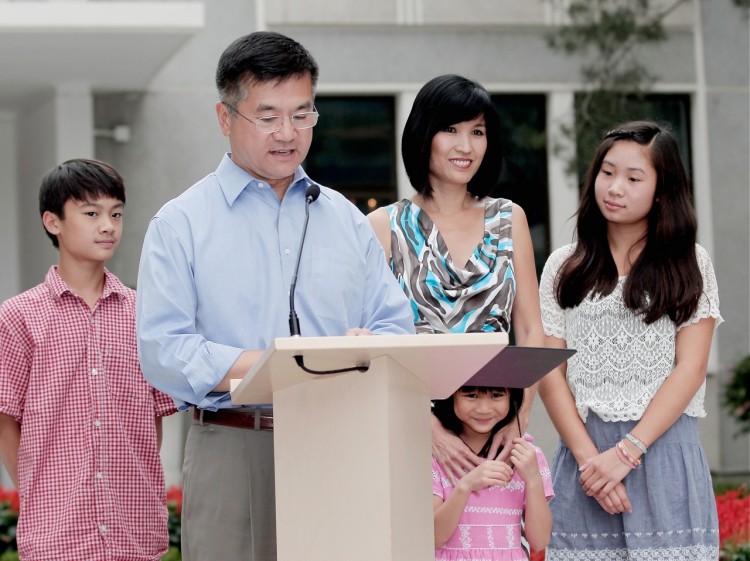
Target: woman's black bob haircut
(442, 102)
(444, 411)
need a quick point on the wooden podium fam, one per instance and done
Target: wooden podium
(352, 450)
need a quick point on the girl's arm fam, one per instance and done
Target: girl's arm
(561, 407)
(448, 512)
(527, 321)
(537, 515)
(692, 346)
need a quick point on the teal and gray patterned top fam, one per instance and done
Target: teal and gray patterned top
(476, 296)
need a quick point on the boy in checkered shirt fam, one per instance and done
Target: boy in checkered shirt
(80, 428)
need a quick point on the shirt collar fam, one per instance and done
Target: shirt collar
(233, 179)
(57, 286)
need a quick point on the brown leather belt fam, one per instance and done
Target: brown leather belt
(242, 419)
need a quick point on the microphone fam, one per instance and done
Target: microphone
(311, 195)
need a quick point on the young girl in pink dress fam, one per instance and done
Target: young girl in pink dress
(484, 516)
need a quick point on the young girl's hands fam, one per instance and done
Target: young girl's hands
(523, 457)
(486, 474)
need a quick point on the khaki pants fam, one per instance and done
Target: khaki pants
(228, 510)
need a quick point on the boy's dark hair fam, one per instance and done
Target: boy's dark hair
(263, 56)
(665, 278)
(442, 102)
(445, 412)
(79, 180)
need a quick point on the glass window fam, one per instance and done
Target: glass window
(354, 148)
(670, 109)
(524, 178)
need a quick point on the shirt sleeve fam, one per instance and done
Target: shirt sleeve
(386, 308)
(708, 303)
(174, 357)
(15, 362)
(553, 316)
(163, 404)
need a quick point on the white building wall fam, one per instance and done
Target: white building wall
(394, 47)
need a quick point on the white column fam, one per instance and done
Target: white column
(9, 251)
(563, 184)
(404, 102)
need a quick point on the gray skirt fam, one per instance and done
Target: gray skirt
(674, 510)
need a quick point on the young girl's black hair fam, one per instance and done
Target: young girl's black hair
(444, 411)
(665, 278)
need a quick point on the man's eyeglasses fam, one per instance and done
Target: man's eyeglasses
(273, 123)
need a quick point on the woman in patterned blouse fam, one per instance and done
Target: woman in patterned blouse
(464, 258)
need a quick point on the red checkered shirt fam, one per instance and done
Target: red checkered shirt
(90, 478)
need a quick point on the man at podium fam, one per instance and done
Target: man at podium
(217, 275)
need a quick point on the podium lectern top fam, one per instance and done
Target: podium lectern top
(443, 361)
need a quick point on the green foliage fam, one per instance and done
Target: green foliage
(8, 521)
(607, 35)
(732, 553)
(737, 394)
(172, 555)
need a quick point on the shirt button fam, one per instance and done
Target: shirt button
(260, 184)
(97, 423)
(99, 475)
(94, 372)
(287, 251)
(103, 528)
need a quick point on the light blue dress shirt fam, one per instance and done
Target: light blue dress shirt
(216, 268)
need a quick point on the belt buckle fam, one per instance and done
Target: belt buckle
(200, 417)
(256, 425)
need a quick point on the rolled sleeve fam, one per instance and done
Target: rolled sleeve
(174, 357)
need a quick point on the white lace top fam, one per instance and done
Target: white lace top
(621, 362)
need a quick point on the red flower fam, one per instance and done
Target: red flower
(174, 498)
(10, 497)
(734, 517)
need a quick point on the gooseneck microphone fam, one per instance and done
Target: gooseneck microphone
(311, 195)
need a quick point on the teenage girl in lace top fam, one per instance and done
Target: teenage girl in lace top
(464, 259)
(637, 297)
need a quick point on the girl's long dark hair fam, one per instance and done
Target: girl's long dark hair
(444, 411)
(665, 278)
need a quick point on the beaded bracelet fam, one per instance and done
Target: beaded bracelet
(637, 441)
(622, 458)
(627, 456)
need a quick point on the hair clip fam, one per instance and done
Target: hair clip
(618, 132)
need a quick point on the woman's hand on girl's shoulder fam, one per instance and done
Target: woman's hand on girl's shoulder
(487, 474)
(523, 457)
